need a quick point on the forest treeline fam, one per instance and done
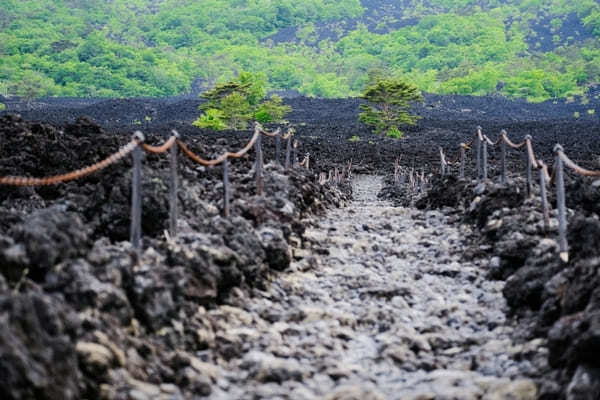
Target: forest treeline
(534, 49)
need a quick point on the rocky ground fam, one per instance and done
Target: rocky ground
(382, 307)
(549, 301)
(450, 292)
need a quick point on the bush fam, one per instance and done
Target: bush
(211, 119)
(233, 104)
(389, 101)
(2, 106)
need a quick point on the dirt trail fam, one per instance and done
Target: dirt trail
(390, 312)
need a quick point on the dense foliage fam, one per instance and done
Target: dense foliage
(538, 49)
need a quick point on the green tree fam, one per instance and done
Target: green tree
(389, 101)
(233, 104)
(34, 84)
(272, 110)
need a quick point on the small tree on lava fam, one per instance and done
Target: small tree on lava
(234, 104)
(388, 105)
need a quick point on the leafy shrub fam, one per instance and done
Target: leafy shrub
(211, 119)
(233, 104)
(2, 106)
(389, 101)
(354, 139)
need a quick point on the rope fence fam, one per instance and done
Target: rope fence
(415, 180)
(172, 145)
(533, 163)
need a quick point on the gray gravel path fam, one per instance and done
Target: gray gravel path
(383, 308)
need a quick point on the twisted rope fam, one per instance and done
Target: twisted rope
(576, 168)
(162, 148)
(223, 156)
(510, 143)
(77, 174)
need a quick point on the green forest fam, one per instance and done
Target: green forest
(534, 49)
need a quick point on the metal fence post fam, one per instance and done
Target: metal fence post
(442, 163)
(561, 206)
(478, 152)
(288, 149)
(226, 187)
(461, 173)
(278, 149)
(295, 154)
(136, 196)
(503, 157)
(544, 196)
(529, 168)
(259, 165)
(485, 160)
(173, 189)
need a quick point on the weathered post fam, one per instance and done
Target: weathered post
(259, 165)
(561, 206)
(226, 190)
(544, 196)
(529, 166)
(278, 149)
(173, 188)
(485, 159)
(442, 163)
(288, 149)
(461, 173)
(503, 156)
(307, 161)
(295, 154)
(136, 196)
(478, 139)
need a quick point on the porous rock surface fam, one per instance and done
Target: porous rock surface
(549, 299)
(384, 309)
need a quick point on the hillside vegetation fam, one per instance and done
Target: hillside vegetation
(534, 49)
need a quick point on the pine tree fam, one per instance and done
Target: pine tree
(389, 101)
(233, 104)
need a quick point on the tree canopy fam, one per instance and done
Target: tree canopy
(536, 49)
(388, 105)
(232, 105)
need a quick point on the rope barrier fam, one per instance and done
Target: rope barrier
(487, 139)
(162, 148)
(272, 134)
(77, 174)
(510, 143)
(555, 178)
(576, 168)
(137, 145)
(223, 156)
(530, 152)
